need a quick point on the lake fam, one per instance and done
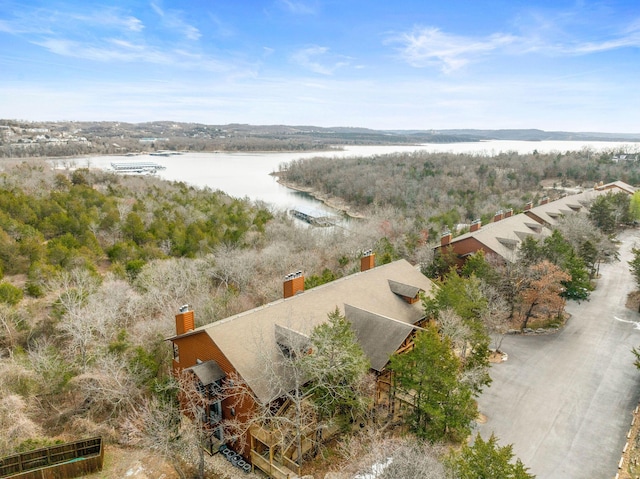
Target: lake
(248, 174)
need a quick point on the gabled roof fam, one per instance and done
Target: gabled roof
(504, 237)
(378, 336)
(248, 339)
(551, 212)
(621, 185)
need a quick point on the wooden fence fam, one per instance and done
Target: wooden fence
(63, 461)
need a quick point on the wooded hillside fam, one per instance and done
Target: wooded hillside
(442, 189)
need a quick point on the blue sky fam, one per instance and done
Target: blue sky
(554, 65)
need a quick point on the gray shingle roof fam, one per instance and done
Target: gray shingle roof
(248, 339)
(553, 211)
(504, 237)
(378, 336)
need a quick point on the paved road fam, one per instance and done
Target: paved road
(565, 400)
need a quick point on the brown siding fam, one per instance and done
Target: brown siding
(466, 246)
(201, 346)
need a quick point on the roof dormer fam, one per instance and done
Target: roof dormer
(410, 294)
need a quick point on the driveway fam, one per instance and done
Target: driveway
(565, 400)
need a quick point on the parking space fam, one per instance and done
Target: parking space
(565, 400)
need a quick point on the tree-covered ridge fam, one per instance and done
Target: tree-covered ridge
(441, 189)
(53, 221)
(19, 139)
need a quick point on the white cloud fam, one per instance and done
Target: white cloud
(630, 40)
(310, 58)
(299, 7)
(172, 19)
(133, 24)
(430, 46)
(124, 51)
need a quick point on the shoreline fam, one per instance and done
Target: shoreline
(334, 203)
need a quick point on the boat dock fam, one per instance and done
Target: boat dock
(312, 216)
(138, 167)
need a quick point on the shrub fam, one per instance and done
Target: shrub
(10, 294)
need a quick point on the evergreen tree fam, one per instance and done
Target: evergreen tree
(635, 265)
(487, 460)
(336, 368)
(634, 206)
(464, 297)
(530, 251)
(442, 407)
(602, 213)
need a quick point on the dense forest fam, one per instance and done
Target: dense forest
(435, 190)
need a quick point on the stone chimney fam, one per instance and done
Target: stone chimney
(445, 239)
(368, 260)
(293, 283)
(544, 200)
(185, 320)
(528, 206)
(476, 225)
(508, 213)
(498, 216)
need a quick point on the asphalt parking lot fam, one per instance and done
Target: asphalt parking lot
(565, 400)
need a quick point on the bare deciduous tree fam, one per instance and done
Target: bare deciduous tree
(373, 455)
(496, 315)
(108, 388)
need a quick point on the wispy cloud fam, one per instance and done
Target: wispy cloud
(113, 35)
(52, 22)
(112, 19)
(630, 39)
(124, 51)
(173, 19)
(298, 7)
(318, 60)
(431, 47)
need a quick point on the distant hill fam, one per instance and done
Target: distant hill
(71, 138)
(533, 135)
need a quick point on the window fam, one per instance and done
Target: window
(176, 353)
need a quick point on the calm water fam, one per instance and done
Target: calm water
(248, 174)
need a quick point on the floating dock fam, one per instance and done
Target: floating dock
(312, 216)
(138, 167)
